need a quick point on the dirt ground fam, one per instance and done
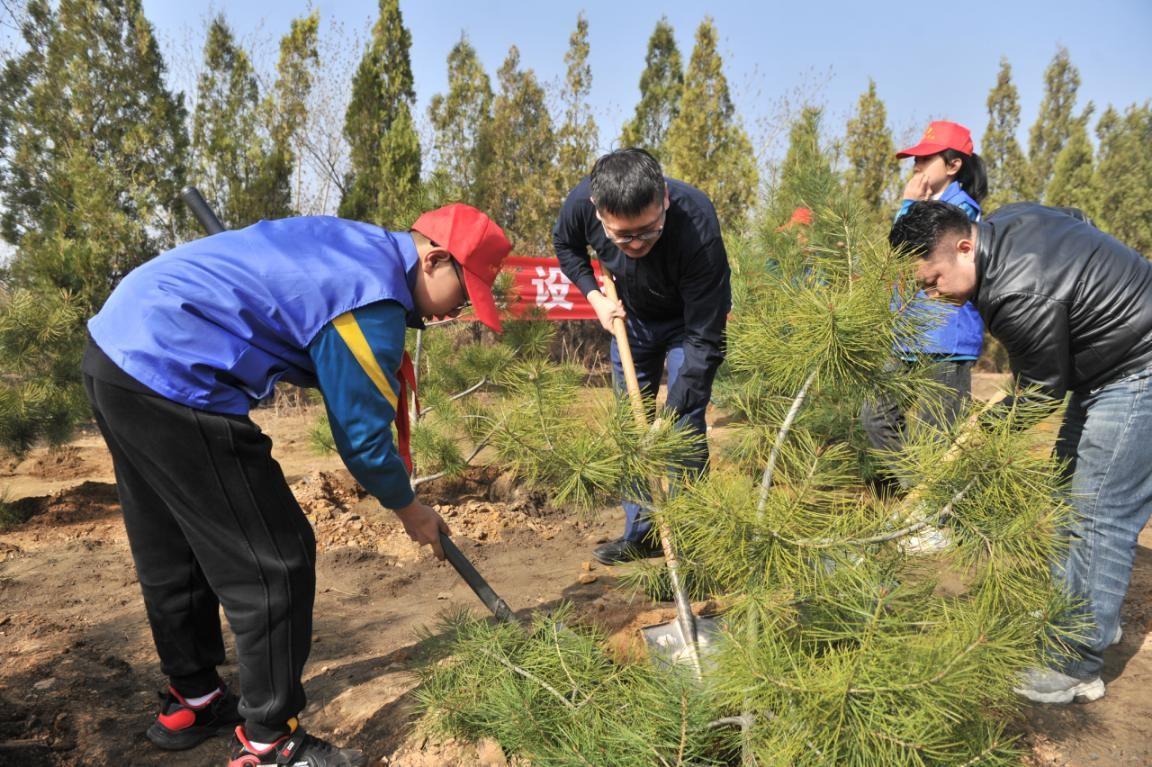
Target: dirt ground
(78, 674)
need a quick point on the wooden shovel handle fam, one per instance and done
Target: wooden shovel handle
(631, 382)
(684, 616)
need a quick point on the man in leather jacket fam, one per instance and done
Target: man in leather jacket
(1073, 308)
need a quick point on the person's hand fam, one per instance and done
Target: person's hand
(606, 309)
(424, 525)
(918, 188)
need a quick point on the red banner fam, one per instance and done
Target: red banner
(540, 286)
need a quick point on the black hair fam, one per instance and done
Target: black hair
(917, 232)
(626, 182)
(971, 177)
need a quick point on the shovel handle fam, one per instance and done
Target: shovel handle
(476, 581)
(684, 616)
(631, 382)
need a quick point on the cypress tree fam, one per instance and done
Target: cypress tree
(706, 145)
(872, 163)
(577, 136)
(1003, 158)
(1073, 177)
(522, 142)
(94, 148)
(286, 111)
(1124, 175)
(94, 155)
(459, 119)
(1054, 122)
(806, 176)
(661, 85)
(229, 147)
(383, 186)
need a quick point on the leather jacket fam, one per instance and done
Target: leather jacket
(1071, 305)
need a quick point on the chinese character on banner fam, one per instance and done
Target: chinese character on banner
(540, 287)
(552, 288)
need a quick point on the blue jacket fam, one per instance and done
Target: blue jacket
(317, 301)
(957, 332)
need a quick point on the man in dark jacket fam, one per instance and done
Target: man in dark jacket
(1073, 308)
(660, 240)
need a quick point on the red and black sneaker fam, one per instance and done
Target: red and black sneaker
(180, 725)
(296, 750)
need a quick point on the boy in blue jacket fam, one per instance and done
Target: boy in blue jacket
(183, 348)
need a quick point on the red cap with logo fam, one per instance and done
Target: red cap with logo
(940, 135)
(478, 244)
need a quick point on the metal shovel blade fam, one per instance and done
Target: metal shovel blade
(667, 644)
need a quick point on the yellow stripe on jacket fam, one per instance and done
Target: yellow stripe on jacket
(350, 331)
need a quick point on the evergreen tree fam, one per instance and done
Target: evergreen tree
(1003, 158)
(93, 148)
(838, 648)
(286, 111)
(459, 119)
(523, 144)
(872, 163)
(577, 136)
(93, 158)
(1124, 175)
(40, 351)
(230, 148)
(384, 183)
(1053, 123)
(661, 85)
(706, 145)
(1073, 177)
(806, 177)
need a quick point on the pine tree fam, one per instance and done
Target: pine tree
(873, 167)
(1124, 175)
(1054, 122)
(838, 647)
(706, 145)
(577, 137)
(459, 119)
(1003, 159)
(230, 148)
(93, 148)
(661, 85)
(1073, 177)
(384, 183)
(523, 145)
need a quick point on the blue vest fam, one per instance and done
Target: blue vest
(216, 322)
(956, 331)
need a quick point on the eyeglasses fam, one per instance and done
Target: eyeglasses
(646, 236)
(463, 286)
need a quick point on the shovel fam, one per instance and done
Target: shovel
(476, 582)
(680, 640)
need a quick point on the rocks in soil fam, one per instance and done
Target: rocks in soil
(344, 515)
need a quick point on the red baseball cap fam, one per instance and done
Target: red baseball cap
(940, 135)
(478, 244)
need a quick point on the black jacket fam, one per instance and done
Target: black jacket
(1071, 305)
(685, 276)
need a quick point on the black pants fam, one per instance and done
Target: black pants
(884, 420)
(211, 522)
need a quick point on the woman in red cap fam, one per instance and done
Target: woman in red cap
(182, 349)
(946, 169)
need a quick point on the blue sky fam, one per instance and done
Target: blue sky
(929, 60)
